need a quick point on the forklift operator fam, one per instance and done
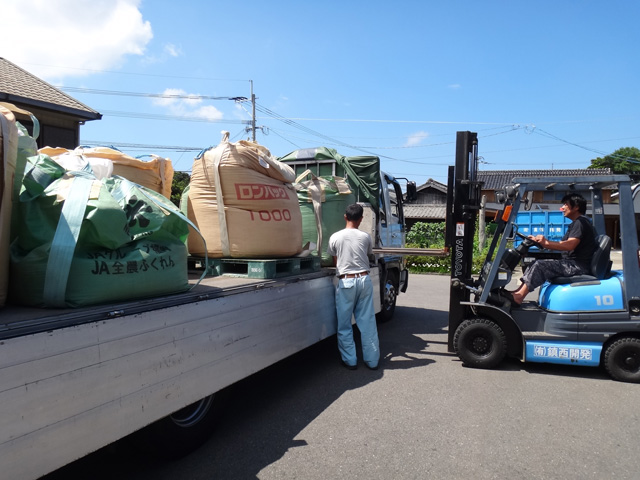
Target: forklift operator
(577, 247)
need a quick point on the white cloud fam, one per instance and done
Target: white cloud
(454, 86)
(187, 104)
(416, 139)
(45, 36)
(172, 50)
(209, 112)
(168, 51)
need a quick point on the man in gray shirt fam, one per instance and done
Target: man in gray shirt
(350, 249)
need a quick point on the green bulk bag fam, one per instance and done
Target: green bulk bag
(323, 201)
(83, 241)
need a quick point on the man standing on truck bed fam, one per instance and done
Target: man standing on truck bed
(351, 249)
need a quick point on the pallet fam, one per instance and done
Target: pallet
(255, 268)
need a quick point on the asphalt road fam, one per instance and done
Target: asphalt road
(422, 415)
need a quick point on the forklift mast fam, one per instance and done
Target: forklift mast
(463, 204)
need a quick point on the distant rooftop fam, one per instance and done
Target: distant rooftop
(497, 179)
(430, 211)
(19, 86)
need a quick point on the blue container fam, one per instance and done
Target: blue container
(553, 225)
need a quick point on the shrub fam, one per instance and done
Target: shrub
(431, 235)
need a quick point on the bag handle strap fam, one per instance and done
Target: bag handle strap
(65, 240)
(222, 216)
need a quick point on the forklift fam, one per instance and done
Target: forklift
(588, 320)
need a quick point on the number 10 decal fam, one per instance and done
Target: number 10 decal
(604, 299)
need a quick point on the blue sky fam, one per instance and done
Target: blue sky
(546, 84)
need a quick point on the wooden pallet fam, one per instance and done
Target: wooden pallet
(256, 268)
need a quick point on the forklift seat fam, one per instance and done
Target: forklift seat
(600, 264)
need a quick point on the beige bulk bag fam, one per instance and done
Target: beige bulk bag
(156, 174)
(243, 202)
(8, 159)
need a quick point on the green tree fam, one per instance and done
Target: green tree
(625, 161)
(426, 235)
(180, 182)
(431, 235)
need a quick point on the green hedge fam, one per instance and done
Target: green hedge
(431, 235)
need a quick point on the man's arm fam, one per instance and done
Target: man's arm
(563, 245)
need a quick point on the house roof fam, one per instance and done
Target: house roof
(434, 211)
(497, 179)
(431, 183)
(21, 87)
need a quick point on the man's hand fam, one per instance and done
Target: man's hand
(563, 245)
(544, 243)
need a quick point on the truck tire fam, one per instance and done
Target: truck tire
(389, 296)
(622, 360)
(181, 432)
(480, 343)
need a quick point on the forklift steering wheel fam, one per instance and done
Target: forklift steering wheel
(529, 242)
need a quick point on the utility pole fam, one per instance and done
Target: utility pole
(253, 112)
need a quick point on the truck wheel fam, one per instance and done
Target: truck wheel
(622, 360)
(480, 343)
(389, 297)
(181, 432)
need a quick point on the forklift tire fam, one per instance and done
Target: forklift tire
(622, 360)
(480, 343)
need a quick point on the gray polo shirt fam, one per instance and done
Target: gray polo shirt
(352, 247)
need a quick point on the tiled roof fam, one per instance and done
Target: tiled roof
(19, 86)
(431, 183)
(496, 180)
(434, 211)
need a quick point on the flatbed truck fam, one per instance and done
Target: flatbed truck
(75, 380)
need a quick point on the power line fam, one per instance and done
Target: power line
(149, 95)
(138, 146)
(599, 152)
(291, 122)
(310, 131)
(182, 118)
(436, 122)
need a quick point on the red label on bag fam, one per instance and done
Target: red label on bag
(256, 191)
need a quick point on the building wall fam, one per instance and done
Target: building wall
(431, 196)
(56, 129)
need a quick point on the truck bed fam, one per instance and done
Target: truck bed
(18, 320)
(75, 380)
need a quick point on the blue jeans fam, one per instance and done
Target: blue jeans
(354, 296)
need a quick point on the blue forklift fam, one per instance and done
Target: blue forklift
(588, 320)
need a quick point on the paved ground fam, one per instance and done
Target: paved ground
(616, 258)
(422, 415)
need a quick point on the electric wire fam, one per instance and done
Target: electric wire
(182, 118)
(593, 150)
(187, 96)
(291, 121)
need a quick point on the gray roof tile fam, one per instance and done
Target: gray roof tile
(19, 86)
(435, 211)
(431, 183)
(497, 179)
